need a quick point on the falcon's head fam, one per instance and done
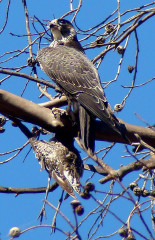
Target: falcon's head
(62, 29)
(64, 34)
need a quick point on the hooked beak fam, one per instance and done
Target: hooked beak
(54, 27)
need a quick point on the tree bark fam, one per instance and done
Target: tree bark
(15, 106)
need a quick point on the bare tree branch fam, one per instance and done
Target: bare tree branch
(135, 166)
(24, 75)
(18, 191)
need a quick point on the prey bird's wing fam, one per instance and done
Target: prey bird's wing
(63, 182)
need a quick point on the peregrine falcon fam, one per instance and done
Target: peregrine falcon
(63, 165)
(66, 64)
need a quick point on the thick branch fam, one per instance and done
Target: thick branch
(18, 107)
(28, 111)
(146, 134)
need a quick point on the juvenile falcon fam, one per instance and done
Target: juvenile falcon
(66, 64)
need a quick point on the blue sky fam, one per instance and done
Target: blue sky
(22, 211)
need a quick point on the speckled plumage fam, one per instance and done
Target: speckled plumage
(64, 166)
(65, 63)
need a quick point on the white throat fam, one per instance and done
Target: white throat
(56, 34)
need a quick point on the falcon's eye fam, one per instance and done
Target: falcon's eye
(62, 21)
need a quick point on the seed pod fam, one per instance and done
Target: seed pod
(98, 42)
(123, 232)
(132, 185)
(145, 193)
(120, 49)
(77, 207)
(85, 195)
(109, 28)
(118, 107)
(89, 187)
(75, 203)
(79, 210)
(31, 62)
(15, 232)
(131, 236)
(137, 191)
(130, 69)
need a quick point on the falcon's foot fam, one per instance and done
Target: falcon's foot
(59, 112)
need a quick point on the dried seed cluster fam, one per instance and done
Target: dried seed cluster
(14, 232)
(89, 187)
(77, 207)
(141, 191)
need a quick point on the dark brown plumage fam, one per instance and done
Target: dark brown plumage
(64, 61)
